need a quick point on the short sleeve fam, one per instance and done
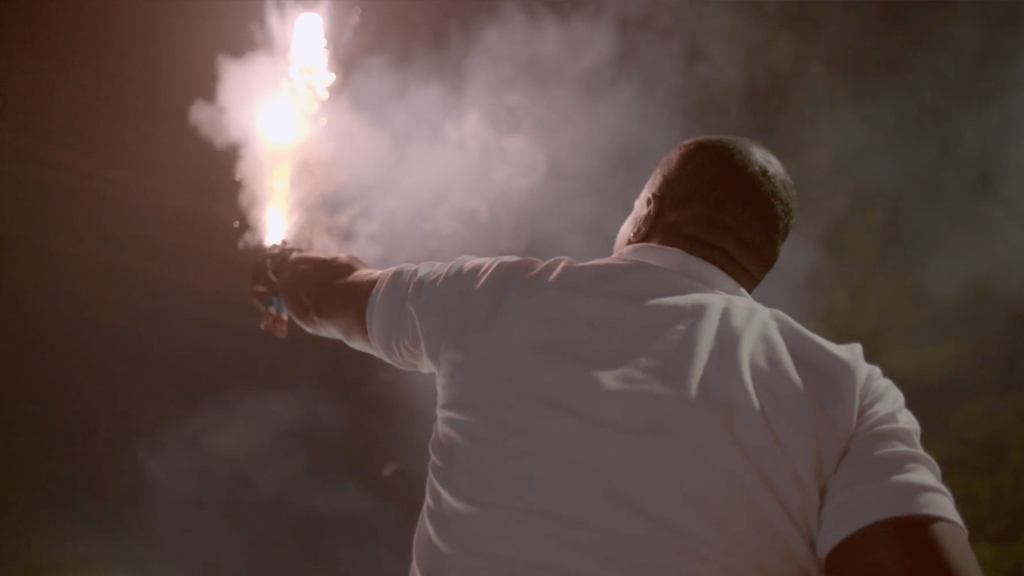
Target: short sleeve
(416, 311)
(884, 473)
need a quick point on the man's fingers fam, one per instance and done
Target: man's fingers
(276, 260)
(280, 325)
(259, 296)
(273, 322)
(265, 274)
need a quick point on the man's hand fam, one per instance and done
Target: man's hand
(266, 291)
(325, 295)
(289, 276)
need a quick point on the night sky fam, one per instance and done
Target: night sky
(148, 426)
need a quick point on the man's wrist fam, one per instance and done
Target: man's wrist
(277, 259)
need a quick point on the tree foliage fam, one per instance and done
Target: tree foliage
(957, 361)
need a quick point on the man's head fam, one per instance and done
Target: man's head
(724, 199)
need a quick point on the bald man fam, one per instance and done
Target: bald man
(641, 414)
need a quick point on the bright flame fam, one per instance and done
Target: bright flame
(286, 119)
(276, 224)
(276, 227)
(279, 121)
(309, 59)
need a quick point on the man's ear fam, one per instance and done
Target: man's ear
(645, 223)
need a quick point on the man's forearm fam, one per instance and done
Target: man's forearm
(328, 295)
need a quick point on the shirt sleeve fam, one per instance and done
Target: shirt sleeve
(417, 311)
(884, 473)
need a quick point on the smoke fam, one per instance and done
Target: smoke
(531, 135)
(980, 243)
(542, 124)
(531, 130)
(273, 482)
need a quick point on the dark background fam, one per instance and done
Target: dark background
(127, 331)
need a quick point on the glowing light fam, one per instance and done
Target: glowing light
(286, 119)
(279, 121)
(275, 225)
(309, 58)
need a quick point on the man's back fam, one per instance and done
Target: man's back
(641, 414)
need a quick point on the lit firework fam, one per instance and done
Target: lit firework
(287, 116)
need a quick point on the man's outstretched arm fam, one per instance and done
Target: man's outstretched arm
(416, 309)
(325, 295)
(905, 546)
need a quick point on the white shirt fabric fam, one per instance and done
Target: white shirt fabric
(640, 414)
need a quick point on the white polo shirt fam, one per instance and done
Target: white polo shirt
(640, 414)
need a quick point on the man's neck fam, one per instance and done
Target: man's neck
(713, 254)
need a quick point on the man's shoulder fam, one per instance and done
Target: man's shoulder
(811, 349)
(748, 314)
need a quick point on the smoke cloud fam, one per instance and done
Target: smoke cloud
(531, 131)
(531, 135)
(273, 481)
(543, 123)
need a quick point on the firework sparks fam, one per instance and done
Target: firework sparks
(287, 116)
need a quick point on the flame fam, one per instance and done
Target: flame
(276, 225)
(286, 118)
(279, 122)
(309, 58)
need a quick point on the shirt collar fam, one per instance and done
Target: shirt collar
(687, 264)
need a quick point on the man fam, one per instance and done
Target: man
(641, 414)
